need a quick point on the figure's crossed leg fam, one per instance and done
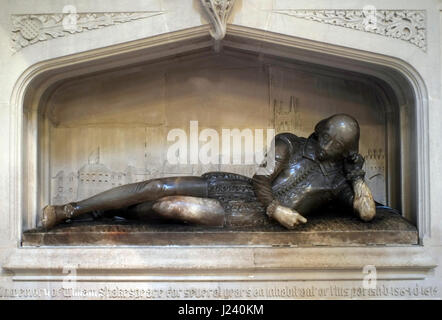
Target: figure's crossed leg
(125, 196)
(193, 210)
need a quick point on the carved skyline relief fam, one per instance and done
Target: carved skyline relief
(218, 12)
(406, 25)
(375, 173)
(92, 178)
(95, 177)
(287, 117)
(28, 29)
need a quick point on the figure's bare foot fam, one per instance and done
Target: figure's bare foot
(287, 217)
(48, 217)
(53, 215)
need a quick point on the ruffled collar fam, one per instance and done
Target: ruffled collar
(312, 150)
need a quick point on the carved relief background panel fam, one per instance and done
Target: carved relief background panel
(111, 129)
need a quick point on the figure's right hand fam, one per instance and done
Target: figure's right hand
(353, 167)
(287, 217)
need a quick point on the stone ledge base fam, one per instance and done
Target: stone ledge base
(388, 228)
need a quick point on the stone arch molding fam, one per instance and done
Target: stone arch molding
(36, 82)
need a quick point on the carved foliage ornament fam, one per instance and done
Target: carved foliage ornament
(406, 25)
(218, 11)
(28, 29)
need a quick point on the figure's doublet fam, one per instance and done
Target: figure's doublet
(306, 183)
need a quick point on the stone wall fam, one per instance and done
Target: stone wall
(41, 50)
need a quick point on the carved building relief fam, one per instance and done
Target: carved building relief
(287, 116)
(375, 173)
(92, 178)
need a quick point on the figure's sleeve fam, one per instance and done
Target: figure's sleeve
(346, 195)
(262, 183)
(352, 171)
(357, 195)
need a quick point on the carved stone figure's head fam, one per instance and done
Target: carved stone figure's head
(338, 136)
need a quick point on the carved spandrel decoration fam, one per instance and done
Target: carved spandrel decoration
(28, 29)
(406, 25)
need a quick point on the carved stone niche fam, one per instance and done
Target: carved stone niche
(97, 124)
(80, 113)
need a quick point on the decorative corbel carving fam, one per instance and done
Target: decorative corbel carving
(218, 12)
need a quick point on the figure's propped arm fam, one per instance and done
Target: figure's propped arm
(360, 197)
(363, 202)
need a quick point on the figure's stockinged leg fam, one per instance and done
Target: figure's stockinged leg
(126, 195)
